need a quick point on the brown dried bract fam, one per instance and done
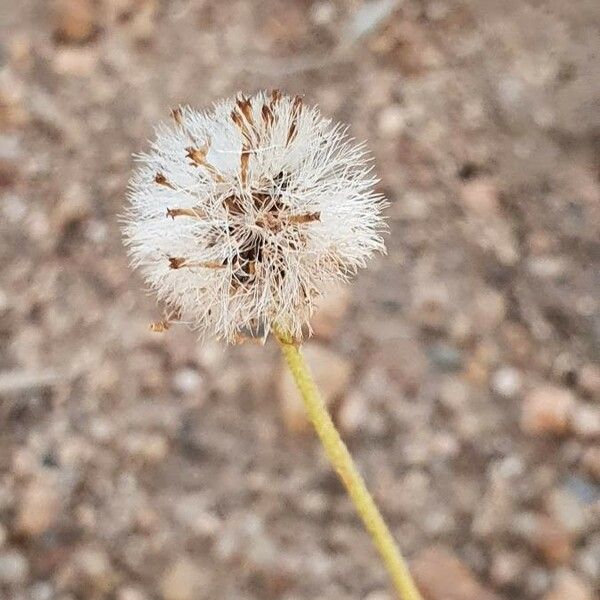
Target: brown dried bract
(209, 264)
(240, 122)
(276, 96)
(297, 105)
(185, 212)
(197, 155)
(159, 326)
(240, 338)
(306, 218)
(160, 179)
(244, 164)
(177, 115)
(233, 205)
(271, 222)
(296, 110)
(176, 262)
(243, 118)
(267, 115)
(170, 317)
(245, 106)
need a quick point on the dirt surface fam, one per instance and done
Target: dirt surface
(138, 466)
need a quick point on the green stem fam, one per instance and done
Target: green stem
(340, 458)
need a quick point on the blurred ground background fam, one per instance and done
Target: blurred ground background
(463, 368)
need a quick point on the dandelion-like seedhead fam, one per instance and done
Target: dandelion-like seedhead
(239, 216)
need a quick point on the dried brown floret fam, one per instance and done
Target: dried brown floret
(305, 218)
(160, 179)
(196, 213)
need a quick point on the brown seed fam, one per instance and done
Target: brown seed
(291, 133)
(233, 205)
(243, 126)
(245, 106)
(185, 212)
(176, 262)
(306, 218)
(209, 264)
(297, 105)
(159, 326)
(177, 115)
(275, 97)
(162, 180)
(197, 155)
(269, 221)
(296, 110)
(244, 161)
(267, 115)
(237, 119)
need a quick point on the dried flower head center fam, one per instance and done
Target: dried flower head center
(256, 217)
(268, 213)
(241, 214)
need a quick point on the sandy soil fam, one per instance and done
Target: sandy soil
(137, 466)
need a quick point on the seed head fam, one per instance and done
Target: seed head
(239, 216)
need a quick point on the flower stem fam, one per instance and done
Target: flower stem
(340, 458)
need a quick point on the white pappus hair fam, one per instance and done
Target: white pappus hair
(239, 216)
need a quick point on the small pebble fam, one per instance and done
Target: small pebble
(591, 462)
(546, 535)
(507, 382)
(445, 357)
(490, 308)
(438, 570)
(131, 593)
(39, 508)
(391, 121)
(75, 21)
(569, 586)
(479, 198)
(14, 568)
(187, 381)
(378, 595)
(507, 568)
(454, 394)
(183, 580)
(588, 380)
(42, 590)
(568, 510)
(353, 413)
(152, 448)
(330, 310)
(95, 568)
(585, 421)
(322, 13)
(547, 410)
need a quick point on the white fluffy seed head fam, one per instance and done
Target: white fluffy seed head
(240, 216)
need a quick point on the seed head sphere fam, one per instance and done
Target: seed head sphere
(239, 217)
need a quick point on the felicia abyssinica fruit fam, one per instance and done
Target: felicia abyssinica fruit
(239, 216)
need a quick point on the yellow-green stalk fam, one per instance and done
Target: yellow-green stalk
(342, 462)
